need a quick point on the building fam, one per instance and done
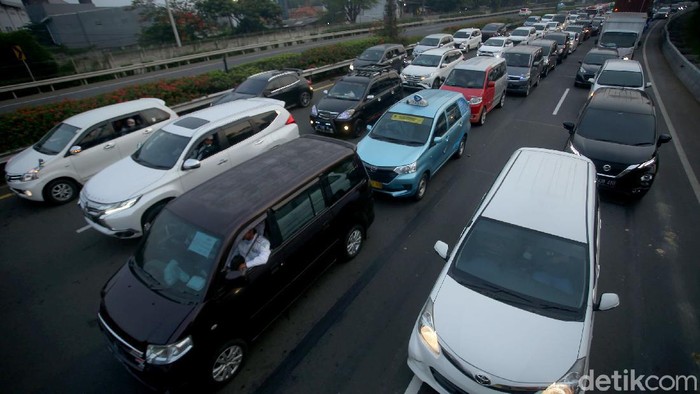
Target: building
(12, 15)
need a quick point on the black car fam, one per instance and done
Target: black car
(616, 129)
(563, 43)
(587, 25)
(392, 55)
(183, 310)
(287, 85)
(493, 30)
(356, 100)
(591, 63)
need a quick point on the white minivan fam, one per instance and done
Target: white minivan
(513, 308)
(125, 198)
(53, 169)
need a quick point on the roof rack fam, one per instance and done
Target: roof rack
(371, 70)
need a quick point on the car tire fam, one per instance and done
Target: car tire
(460, 149)
(502, 102)
(421, 188)
(150, 215)
(60, 191)
(352, 242)
(304, 99)
(527, 91)
(546, 72)
(482, 117)
(357, 129)
(225, 363)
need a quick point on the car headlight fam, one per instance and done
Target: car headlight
(648, 163)
(31, 174)
(352, 67)
(497, 54)
(571, 379)
(345, 115)
(426, 328)
(168, 354)
(570, 147)
(314, 111)
(582, 70)
(407, 169)
(476, 100)
(525, 77)
(120, 206)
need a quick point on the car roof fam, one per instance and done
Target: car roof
(469, 29)
(436, 99)
(479, 63)
(495, 24)
(439, 51)
(603, 51)
(90, 117)
(540, 42)
(385, 46)
(211, 116)
(528, 28)
(523, 49)
(233, 198)
(437, 35)
(274, 73)
(546, 191)
(622, 65)
(623, 100)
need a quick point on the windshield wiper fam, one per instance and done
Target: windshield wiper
(554, 307)
(496, 289)
(384, 138)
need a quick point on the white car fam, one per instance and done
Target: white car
(513, 308)
(466, 39)
(525, 12)
(495, 46)
(433, 41)
(619, 73)
(547, 17)
(573, 38)
(540, 29)
(123, 199)
(430, 68)
(523, 35)
(53, 169)
(554, 26)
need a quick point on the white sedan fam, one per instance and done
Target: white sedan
(495, 46)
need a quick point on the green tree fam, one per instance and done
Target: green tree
(391, 28)
(212, 10)
(255, 15)
(158, 29)
(444, 5)
(350, 8)
(39, 60)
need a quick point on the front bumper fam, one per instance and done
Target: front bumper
(384, 180)
(31, 190)
(475, 112)
(518, 85)
(343, 128)
(414, 83)
(123, 224)
(582, 79)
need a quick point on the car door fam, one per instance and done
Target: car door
(490, 91)
(209, 166)
(455, 125)
(439, 149)
(130, 139)
(98, 149)
(275, 89)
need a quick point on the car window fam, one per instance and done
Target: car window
(154, 115)
(275, 83)
(127, 124)
(296, 213)
(440, 126)
(206, 147)
(263, 120)
(288, 80)
(620, 78)
(161, 150)
(98, 135)
(237, 132)
(344, 177)
(376, 88)
(55, 140)
(453, 115)
(465, 78)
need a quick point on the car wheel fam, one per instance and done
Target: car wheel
(460, 148)
(357, 128)
(226, 362)
(527, 91)
(503, 100)
(304, 99)
(482, 117)
(60, 191)
(436, 83)
(546, 72)
(422, 187)
(151, 215)
(352, 242)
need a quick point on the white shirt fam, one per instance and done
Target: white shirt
(258, 254)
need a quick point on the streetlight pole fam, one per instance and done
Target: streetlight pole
(172, 23)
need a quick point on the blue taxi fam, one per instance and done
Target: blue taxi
(412, 141)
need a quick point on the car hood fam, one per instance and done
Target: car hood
(121, 181)
(387, 154)
(141, 313)
(489, 48)
(590, 68)
(467, 92)
(418, 70)
(28, 159)
(518, 71)
(612, 152)
(362, 63)
(233, 96)
(503, 340)
(335, 105)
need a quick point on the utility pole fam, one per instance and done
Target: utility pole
(172, 23)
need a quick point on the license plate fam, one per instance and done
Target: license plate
(324, 128)
(375, 184)
(607, 182)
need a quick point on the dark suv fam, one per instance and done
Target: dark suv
(617, 131)
(287, 85)
(392, 55)
(563, 41)
(356, 100)
(493, 30)
(182, 309)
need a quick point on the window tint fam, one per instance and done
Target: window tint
(441, 126)
(98, 135)
(288, 80)
(262, 121)
(275, 84)
(237, 132)
(299, 211)
(127, 124)
(624, 128)
(344, 177)
(376, 88)
(453, 115)
(154, 115)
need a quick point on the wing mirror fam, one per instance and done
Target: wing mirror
(370, 97)
(607, 301)
(191, 164)
(325, 91)
(74, 150)
(663, 138)
(491, 84)
(441, 249)
(570, 126)
(648, 85)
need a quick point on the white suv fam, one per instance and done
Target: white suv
(433, 41)
(513, 308)
(430, 68)
(53, 169)
(619, 73)
(466, 39)
(523, 35)
(124, 198)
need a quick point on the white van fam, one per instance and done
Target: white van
(512, 310)
(74, 150)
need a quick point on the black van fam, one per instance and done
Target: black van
(524, 64)
(180, 309)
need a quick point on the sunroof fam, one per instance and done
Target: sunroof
(191, 122)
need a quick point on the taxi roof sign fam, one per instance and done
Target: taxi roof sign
(417, 99)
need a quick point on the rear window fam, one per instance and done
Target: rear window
(620, 78)
(617, 127)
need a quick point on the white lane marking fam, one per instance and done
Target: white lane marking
(672, 130)
(4, 196)
(414, 386)
(561, 101)
(80, 230)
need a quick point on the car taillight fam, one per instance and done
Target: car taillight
(290, 120)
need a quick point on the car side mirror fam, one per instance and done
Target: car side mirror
(580, 62)
(437, 140)
(267, 92)
(369, 127)
(648, 85)
(607, 301)
(570, 126)
(591, 80)
(491, 84)
(441, 249)
(234, 276)
(74, 150)
(443, 65)
(191, 164)
(663, 138)
(325, 91)
(370, 97)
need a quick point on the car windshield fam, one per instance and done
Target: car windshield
(618, 39)
(494, 42)
(346, 90)
(176, 258)
(617, 127)
(598, 58)
(520, 33)
(517, 59)
(56, 139)
(462, 34)
(552, 25)
(559, 38)
(559, 18)
(524, 268)
(466, 78)
(161, 150)
(577, 29)
(539, 27)
(426, 60)
(402, 129)
(532, 19)
(429, 41)
(490, 28)
(253, 86)
(373, 55)
(545, 50)
(628, 79)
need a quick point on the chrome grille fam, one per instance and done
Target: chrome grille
(12, 178)
(379, 174)
(413, 78)
(327, 115)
